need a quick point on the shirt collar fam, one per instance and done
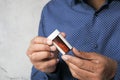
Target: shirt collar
(77, 1)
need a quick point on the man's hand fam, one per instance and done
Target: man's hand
(90, 66)
(43, 54)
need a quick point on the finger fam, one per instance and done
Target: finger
(37, 47)
(53, 48)
(74, 74)
(39, 56)
(40, 47)
(63, 34)
(83, 64)
(41, 40)
(45, 65)
(93, 57)
(82, 55)
(80, 73)
(51, 62)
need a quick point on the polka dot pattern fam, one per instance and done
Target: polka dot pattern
(86, 29)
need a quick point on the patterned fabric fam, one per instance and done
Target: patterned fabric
(86, 29)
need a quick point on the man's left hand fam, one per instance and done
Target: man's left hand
(90, 66)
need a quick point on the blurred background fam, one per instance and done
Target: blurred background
(19, 20)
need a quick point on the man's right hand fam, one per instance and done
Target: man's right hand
(43, 54)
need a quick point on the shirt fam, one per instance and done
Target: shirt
(87, 29)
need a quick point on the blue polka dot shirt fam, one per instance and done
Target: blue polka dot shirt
(87, 29)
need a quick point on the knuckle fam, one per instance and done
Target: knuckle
(28, 52)
(91, 68)
(34, 40)
(46, 47)
(47, 54)
(82, 64)
(36, 66)
(97, 77)
(33, 58)
(74, 75)
(30, 49)
(42, 69)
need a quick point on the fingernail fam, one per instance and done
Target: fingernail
(49, 42)
(53, 48)
(64, 57)
(74, 49)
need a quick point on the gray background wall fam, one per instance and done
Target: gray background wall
(19, 21)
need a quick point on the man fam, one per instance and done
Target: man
(92, 27)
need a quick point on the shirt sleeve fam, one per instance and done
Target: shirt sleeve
(117, 76)
(37, 74)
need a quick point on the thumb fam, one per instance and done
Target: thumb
(63, 34)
